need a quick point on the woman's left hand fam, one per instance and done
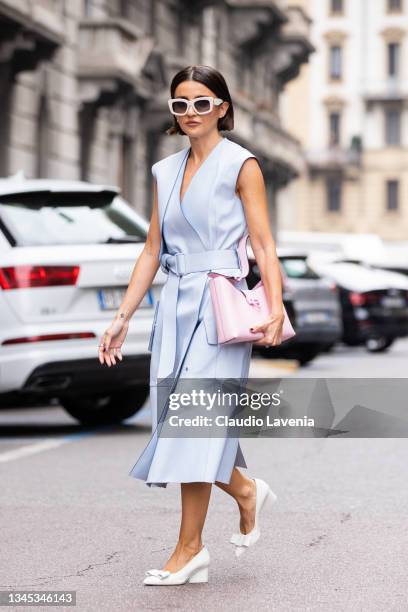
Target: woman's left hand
(272, 329)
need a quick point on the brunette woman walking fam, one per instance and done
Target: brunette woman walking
(206, 197)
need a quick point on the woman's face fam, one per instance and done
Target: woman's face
(192, 123)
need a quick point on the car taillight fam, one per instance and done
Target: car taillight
(48, 337)
(357, 299)
(21, 277)
(360, 299)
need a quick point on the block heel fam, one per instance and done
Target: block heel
(200, 575)
(272, 497)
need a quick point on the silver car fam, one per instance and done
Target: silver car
(312, 304)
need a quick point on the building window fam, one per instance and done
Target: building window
(334, 128)
(124, 8)
(336, 7)
(125, 167)
(152, 17)
(88, 8)
(182, 30)
(335, 62)
(333, 189)
(392, 126)
(392, 194)
(42, 138)
(86, 121)
(209, 38)
(245, 72)
(394, 6)
(393, 59)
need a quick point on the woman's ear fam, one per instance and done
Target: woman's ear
(225, 108)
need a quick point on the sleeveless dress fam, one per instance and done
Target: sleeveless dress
(200, 233)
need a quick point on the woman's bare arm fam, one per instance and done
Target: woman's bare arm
(145, 268)
(143, 274)
(252, 192)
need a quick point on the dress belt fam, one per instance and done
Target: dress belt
(175, 266)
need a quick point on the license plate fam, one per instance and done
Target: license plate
(315, 317)
(111, 298)
(393, 302)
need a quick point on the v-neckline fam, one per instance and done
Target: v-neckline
(181, 199)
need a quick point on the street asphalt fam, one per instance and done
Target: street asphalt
(335, 540)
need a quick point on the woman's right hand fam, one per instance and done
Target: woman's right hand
(111, 342)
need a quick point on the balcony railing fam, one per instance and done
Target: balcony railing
(269, 137)
(298, 25)
(37, 16)
(388, 90)
(48, 14)
(335, 157)
(112, 48)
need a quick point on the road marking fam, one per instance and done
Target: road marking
(284, 364)
(272, 367)
(39, 447)
(31, 449)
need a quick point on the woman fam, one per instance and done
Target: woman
(205, 197)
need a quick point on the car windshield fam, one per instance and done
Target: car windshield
(296, 267)
(50, 218)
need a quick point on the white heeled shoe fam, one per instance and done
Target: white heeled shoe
(243, 541)
(196, 570)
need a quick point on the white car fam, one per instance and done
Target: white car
(67, 251)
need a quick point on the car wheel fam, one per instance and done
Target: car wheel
(378, 344)
(305, 353)
(307, 356)
(107, 409)
(326, 348)
(351, 342)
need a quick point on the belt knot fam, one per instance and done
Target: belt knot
(176, 263)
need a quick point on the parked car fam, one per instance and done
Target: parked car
(312, 305)
(389, 265)
(374, 303)
(393, 268)
(334, 245)
(67, 250)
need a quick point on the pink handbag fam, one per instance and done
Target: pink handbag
(236, 310)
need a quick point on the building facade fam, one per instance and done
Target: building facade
(349, 109)
(85, 84)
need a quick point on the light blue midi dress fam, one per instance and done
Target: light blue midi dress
(199, 233)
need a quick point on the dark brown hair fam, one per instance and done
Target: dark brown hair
(211, 78)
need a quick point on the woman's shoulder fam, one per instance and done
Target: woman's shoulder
(238, 149)
(237, 155)
(168, 160)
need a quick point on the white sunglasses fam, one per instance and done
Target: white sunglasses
(202, 105)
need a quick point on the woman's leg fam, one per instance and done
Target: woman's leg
(243, 490)
(195, 497)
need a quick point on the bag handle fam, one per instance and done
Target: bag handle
(243, 260)
(243, 257)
